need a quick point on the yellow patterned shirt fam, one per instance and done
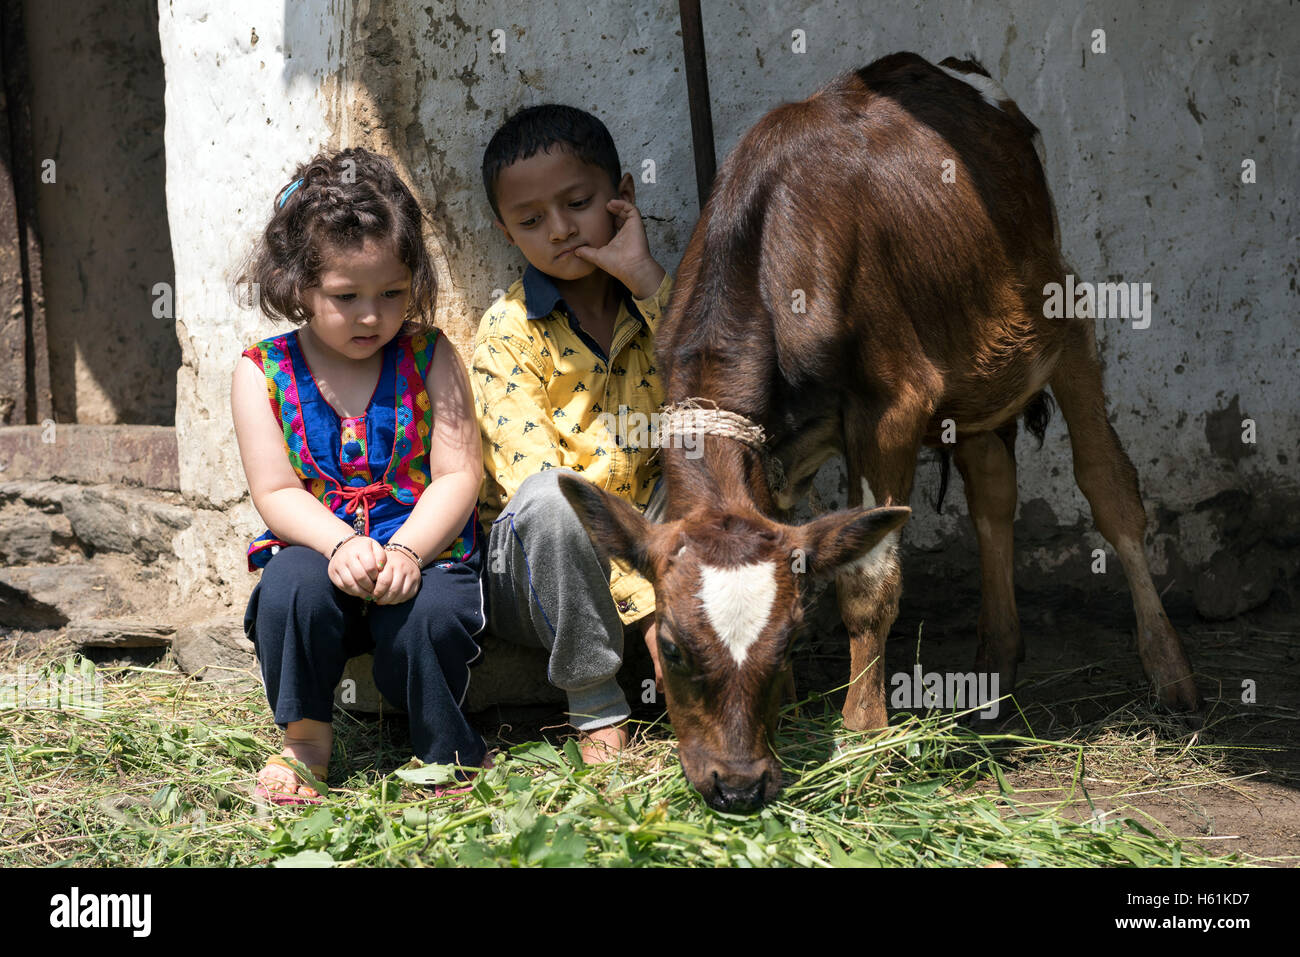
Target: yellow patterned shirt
(548, 397)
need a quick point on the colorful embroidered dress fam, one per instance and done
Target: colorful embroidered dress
(338, 458)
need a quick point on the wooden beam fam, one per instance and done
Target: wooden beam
(697, 93)
(21, 162)
(13, 317)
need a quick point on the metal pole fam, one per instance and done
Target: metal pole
(697, 94)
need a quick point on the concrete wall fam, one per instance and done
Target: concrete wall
(1145, 144)
(97, 112)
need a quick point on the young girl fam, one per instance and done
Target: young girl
(364, 464)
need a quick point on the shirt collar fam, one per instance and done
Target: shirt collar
(541, 296)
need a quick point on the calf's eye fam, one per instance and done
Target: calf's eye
(670, 652)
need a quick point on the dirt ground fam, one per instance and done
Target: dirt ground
(1081, 678)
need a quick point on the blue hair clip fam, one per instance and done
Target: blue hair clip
(287, 193)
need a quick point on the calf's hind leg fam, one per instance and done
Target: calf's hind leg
(1108, 480)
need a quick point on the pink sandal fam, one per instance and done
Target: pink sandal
(313, 777)
(459, 790)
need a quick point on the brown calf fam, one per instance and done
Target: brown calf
(841, 294)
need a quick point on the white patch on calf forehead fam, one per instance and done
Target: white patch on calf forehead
(738, 602)
(987, 87)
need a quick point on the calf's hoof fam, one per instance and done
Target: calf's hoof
(1170, 675)
(1178, 695)
(1166, 665)
(1004, 664)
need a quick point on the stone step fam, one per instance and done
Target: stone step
(49, 521)
(30, 534)
(106, 586)
(19, 610)
(137, 455)
(216, 649)
(119, 633)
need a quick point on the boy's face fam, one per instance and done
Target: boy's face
(552, 203)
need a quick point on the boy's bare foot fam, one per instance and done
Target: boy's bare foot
(603, 744)
(307, 741)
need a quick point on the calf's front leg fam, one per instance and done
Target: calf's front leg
(868, 591)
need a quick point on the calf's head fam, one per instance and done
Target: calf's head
(727, 590)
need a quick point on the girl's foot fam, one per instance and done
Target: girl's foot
(308, 742)
(308, 784)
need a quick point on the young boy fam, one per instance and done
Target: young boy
(555, 361)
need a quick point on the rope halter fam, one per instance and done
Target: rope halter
(692, 417)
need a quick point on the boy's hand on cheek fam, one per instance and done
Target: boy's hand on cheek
(626, 257)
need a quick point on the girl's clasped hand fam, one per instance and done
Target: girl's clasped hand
(364, 568)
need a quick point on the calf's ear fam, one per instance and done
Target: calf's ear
(843, 537)
(615, 527)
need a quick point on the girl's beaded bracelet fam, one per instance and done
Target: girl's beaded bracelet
(409, 551)
(341, 541)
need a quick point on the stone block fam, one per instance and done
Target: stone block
(119, 633)
(216, 649)
(108, 518)
(139, 455)
(29, 535)
(1232, 585)
(43, 596)
(507, 674)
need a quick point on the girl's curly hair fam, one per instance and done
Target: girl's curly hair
(344, 198)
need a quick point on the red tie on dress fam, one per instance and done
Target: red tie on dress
(365, 496)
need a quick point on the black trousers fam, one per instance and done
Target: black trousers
(305, 629)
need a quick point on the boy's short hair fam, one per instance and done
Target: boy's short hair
(536, 129)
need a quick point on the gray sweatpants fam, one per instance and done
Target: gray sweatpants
(547, 588)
